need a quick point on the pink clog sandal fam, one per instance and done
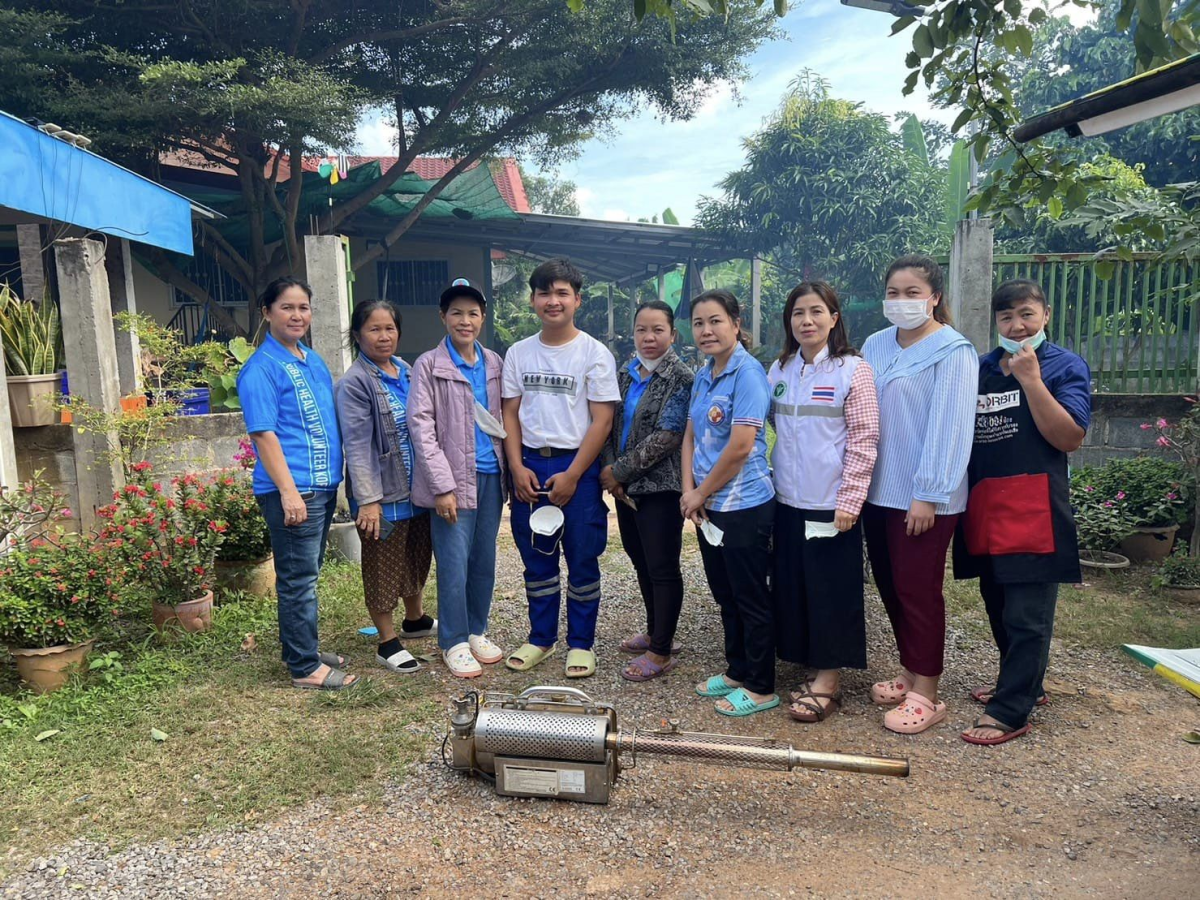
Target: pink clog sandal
(889, 693)
(914, 715)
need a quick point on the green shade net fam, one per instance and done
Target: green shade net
(473, 195)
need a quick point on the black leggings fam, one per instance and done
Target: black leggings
(653, 539)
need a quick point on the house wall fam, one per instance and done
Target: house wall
(422, 325)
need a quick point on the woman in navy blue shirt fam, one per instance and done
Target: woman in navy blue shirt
(287, 401)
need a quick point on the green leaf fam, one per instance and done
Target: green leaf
(1054, 206)
(781, 8)
(923, 42)
(902, 23)
(156, 735)
(45, 735)
(962, 119)
(639, 8)
(913, 136)
(1024, 40)
(1105, 269)
(958, 178)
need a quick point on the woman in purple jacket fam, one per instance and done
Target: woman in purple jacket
(456, 430)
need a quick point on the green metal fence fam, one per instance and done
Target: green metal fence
(1136, 327)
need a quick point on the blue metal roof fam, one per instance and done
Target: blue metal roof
(50, 179)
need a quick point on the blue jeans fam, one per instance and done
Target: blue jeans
(299, 552)
(584, 536)
(466, 564)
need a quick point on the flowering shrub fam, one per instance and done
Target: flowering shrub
(54, 591)
(166, 544)
(1182, 440)
(247, 537)
(1153, 492)
(1102, 522)
(29, 511)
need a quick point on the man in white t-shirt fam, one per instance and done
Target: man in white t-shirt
(558, 394)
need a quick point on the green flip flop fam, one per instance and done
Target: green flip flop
(745, 705)
(716, 686)
(580, 659)
(528, 656)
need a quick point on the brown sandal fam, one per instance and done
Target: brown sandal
(813, 711)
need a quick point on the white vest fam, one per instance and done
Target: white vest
(808, 404)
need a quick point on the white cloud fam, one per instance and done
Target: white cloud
(584, 196)
(615, 215)
(375, 137)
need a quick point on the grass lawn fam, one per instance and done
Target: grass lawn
(240, 744)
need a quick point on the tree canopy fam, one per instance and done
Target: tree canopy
(829, 190)
(247, 84)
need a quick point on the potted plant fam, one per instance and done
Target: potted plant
(1183, 441)
(167, 542)
(1179, 577)
(30, 334)
(244, 559)
(1154, 495)
(54, 588)
(1101, 525)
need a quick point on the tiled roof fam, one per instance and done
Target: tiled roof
(505, 172)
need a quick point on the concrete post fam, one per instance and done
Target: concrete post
(90, 348)
(971, 281)
(8, 449)
(33, 267)
(489, 291)
(756, 300)
(118, 263)
(611, 333)
(326, 264)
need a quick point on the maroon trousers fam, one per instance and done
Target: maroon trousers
(909, 572)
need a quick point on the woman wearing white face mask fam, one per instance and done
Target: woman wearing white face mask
(926, 374)
(641, 469)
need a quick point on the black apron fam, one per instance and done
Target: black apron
(1018, 527)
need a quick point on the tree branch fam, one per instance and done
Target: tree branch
(401, 34)
(233, 260)
(172, 276)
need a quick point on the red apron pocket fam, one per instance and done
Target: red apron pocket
(1009, 515)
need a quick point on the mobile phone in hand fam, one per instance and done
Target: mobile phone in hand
(386, 527)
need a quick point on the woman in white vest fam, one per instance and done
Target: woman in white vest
(827, 431)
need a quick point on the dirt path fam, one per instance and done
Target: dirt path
(1101, 799)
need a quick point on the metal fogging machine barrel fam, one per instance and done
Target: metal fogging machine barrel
(559, 742)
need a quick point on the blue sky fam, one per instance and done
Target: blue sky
(650, 164)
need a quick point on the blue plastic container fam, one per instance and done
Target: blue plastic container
(194, 402)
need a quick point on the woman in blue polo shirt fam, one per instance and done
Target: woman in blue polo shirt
(728, 495)
(287, 401)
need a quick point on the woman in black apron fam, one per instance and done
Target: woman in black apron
(1018, 533)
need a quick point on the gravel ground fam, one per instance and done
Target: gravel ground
(1101, 799)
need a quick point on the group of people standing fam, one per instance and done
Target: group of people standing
(892, 443)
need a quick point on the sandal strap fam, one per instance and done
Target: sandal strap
(334, 678)
(400, 657)
(995, 726)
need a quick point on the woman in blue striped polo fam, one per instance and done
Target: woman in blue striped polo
(925, 373)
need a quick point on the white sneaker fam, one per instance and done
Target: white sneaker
(484, 650)
(461, 663)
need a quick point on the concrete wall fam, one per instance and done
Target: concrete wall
(198, 444)
(1116, 430)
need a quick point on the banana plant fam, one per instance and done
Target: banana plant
(30, 334)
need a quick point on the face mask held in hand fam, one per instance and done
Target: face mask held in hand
(1031, 342)
(908, 313)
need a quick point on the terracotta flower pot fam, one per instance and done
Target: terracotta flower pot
(191, 615)
(1150, 544)
(46, 669)
(255, 577)
(32, 399)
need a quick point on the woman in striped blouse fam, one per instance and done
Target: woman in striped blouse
(827, 427)
(925, 375)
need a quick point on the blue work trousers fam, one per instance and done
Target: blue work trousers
(583, 537)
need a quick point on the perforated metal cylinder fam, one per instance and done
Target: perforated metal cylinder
(540, 734)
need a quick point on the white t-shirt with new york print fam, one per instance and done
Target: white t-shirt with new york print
(555, 385)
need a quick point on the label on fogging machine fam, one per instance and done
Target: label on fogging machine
(531, 781)
(548, 782)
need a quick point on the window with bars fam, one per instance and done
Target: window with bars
(413, 282)
(204, 271)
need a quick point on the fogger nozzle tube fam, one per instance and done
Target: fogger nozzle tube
(724, 750)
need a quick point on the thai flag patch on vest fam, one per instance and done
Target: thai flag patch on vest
(823, 394)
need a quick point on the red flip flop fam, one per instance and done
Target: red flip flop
(984, 694)
(1006, 733)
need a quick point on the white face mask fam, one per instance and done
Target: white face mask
(650, 364)
(908, 313)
